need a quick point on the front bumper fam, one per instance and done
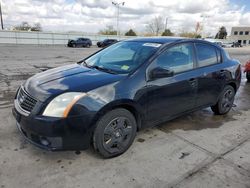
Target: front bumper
(51, 133)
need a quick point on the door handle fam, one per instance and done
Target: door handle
(192, 82)
(222, 72)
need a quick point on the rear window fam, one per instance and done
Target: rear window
(206, 55)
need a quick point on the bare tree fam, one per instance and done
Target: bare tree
(155, 26)
(25, 26)
(108, 31)
(37, 27)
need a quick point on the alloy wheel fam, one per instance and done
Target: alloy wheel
(227, 100)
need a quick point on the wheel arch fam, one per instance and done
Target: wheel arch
(129, 105)
(233, 85)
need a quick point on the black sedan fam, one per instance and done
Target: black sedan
(107, 97)
(106, 42)
(80, 42)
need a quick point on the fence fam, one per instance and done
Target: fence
(49, 38)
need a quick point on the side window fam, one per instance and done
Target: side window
(206, 55)
(178, 58)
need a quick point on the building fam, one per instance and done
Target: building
(241, 34)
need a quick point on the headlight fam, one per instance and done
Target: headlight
(61, 105)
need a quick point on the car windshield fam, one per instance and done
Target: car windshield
(122, 57)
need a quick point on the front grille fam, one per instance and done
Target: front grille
(25, 101)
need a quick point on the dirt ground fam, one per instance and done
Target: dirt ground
(196, 150)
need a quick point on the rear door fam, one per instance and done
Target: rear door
(168, 97)
(211, 74)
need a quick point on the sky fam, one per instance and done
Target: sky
(90, 16)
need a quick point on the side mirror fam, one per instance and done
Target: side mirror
(160, 72)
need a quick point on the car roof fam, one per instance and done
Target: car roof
(163, 40)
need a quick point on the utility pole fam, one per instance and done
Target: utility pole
(117, 5)
(1, 16)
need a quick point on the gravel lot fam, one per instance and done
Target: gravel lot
(197, 150)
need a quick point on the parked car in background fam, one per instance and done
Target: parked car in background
(218, 43)
(80, 42)
(236, 44)
(247, 70)
(227, 44)
(107, 97)
(106, 42)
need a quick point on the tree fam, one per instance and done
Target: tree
(36, 27)
(130, 33)
(108, 31)
(155, 26)
(167, 32)
(25, 26)
(190, 35)
(222, 33)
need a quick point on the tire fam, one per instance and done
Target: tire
(225, 101)
(74, 45)
(248, 76)
(112, 138)
(88, 45)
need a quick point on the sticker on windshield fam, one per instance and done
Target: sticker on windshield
(156, 45)
(125, 67)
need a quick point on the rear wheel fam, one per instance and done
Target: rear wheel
(248, 76)
(225, 101)
(88, 45)
(114, 133)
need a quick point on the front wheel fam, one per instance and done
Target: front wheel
(248, 76)
(114, 133)
(225, 101)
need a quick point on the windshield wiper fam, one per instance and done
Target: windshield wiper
(85, 63)
(99, 68)
(103, 69)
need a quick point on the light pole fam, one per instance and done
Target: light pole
(166, 23)
(1, 16)
(118, 12)
(203, 25)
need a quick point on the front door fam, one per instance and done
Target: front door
(168, 97)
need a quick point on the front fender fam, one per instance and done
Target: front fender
(92, 108)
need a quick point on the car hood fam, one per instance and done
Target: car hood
(70, 78)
